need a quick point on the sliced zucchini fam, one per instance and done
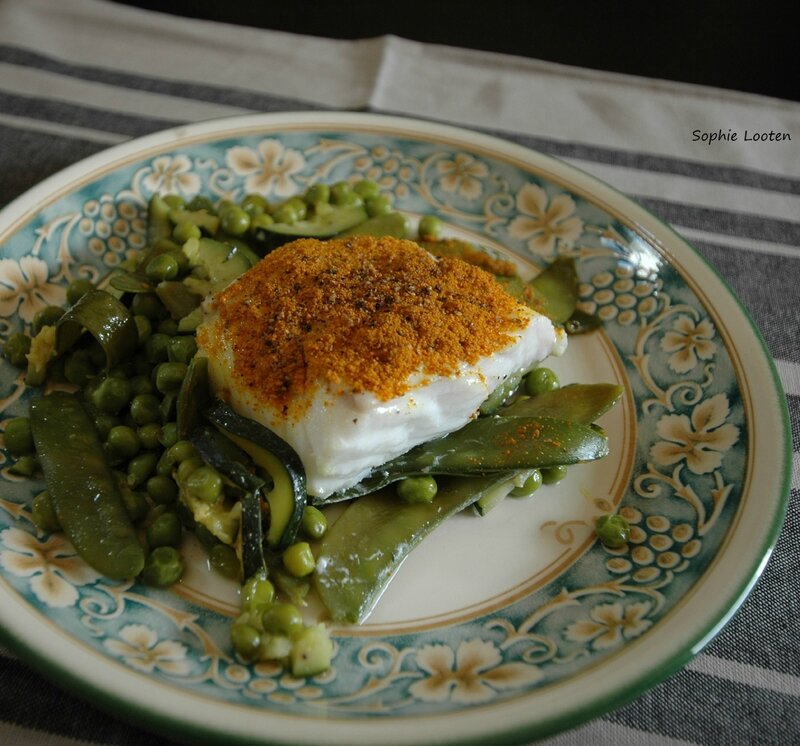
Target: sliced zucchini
(276, 457)
(221, 453)
(215, 264)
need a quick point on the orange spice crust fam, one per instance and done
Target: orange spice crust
(358, 314)
(470, 254)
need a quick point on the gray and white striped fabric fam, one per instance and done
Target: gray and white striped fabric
(79, 76)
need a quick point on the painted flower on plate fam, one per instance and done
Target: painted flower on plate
(25, 284)
(688, 341)
(172, 174)
(473, 673)
(462, 175)
(270, 168)
(53, 566)
(701, 440)
(544, 221)
(139, 647)
(609, 624)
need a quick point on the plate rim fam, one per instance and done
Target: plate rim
(163, 721)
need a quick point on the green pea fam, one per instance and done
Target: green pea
(317, 194)
(123, 442)
(529, 486)
(156, 348)
(164, 466)
(540, 380)
(135, 502)
(47, 316)
(104, 423)
(25, 466)
(246, 641)
(261, 221)
(255, 204)
(150, 435)
(149, 305)
(185, 230)
(142, 384)
(366, 189)
(187, 468)
(299, 205)
(257, 594)
(162, 267)
(78, 368)
(613, 530)
(298, 559)
(163, 566)
(285, 214)
(77, 289)
(553, 474)
(342, 192)
(43, 514)
(430, 228)
(123, 371)
(417, 489)
(112, 395)
(162, 489)
(181, 451)
(169, 434)
(168, 327)
(205, 484)
(15, 349)
(97, 354)
(181, 349)
(200, 202)
(380, 205)
(224, 560)
(164, 531)
(314, 522)
(235, 221)
(145, 408)
(169, 377)
(141, 468)
(18, 437)
(282, 619)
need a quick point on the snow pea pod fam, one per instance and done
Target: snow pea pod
(576, 402)
(194, 395)
(361, 551)
(82, 487)
(557, 288)
(488, 445)
(106, 319)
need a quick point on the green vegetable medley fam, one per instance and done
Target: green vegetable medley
(135, 450)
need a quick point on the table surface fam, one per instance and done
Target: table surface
(78, 77)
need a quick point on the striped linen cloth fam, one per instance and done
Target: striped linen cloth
(79, 76)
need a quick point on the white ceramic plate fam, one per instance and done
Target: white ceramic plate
(508, 627)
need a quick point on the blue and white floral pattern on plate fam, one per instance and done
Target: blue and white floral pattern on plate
(685, 451)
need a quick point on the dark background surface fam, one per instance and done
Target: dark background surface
(745, 46)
